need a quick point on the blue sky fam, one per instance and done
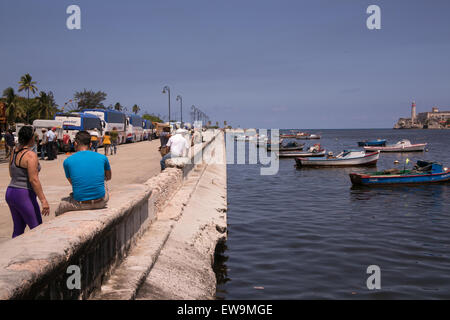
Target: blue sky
(254, 63)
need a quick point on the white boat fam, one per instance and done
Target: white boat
(401, 146)
(347, 158)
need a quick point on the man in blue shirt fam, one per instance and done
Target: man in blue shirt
(87, 172)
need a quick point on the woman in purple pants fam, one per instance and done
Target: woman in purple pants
(21, 194)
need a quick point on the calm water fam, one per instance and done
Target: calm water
(307, 234)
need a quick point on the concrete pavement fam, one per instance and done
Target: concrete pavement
(134, 163)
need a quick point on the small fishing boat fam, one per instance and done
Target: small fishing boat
(306, 136)
(288, 146)
(347, 158)
(423, 173)
(314, 151)
(288, 136)
(401, 146)
(372, 143)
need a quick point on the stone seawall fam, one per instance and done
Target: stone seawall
(35, 265)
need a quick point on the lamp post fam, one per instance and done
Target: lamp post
(166, 88)
(180, 98)
(193, 108)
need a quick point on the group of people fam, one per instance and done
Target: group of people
(49, 145)
(176, 146)
(110, 141)
(86, 171)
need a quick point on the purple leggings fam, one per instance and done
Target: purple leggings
(24, 209)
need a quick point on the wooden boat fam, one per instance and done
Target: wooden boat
(312, 152)
(307, 136)
(401, 146)
(423, 173)
(347, 158)
(290, 146)
(372, 143)
(297, 154)
(288, 136)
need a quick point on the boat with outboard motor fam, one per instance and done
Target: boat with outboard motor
(286, 146)
(347, 158)
(372, 143)
(401, 146)
(424, 172)
(313, 151)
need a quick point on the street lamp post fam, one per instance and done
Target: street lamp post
(180, 98)
(166, 88)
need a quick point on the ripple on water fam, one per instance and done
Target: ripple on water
(306, 233)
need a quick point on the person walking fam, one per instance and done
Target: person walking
(9, 142)
(107, 143)
(43, 144)
(114, 140)
(178, 147)
(25, 185)
(87, 172)
(94, 140)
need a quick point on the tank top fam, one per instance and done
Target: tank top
(106, 139)
(19, 175)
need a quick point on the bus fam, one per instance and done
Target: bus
(111, 119)
(135, 130)
(78, 121)
(148, 129)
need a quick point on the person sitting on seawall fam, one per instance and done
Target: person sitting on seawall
(87, 172)
(94, 140)
(178, 147)
(21, 194)
(164, 137)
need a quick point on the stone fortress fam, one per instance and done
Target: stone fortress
(425, 120)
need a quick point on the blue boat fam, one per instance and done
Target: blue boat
(372, 143)
(423, 173)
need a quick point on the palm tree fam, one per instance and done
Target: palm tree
(136, 109)
(27, 84)
(118, 107)
(13, 109)
(46, 106)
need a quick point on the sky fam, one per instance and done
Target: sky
(253, 63)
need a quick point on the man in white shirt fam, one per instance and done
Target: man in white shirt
(51, 141)
(178, 147)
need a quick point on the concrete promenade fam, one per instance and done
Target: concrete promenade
(134, 164)
(156, 239)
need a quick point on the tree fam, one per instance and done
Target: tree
(90, 99)
(118, 106)
(136, 109)
(152, 117)
(13, 109)
(46, 106)
(26, 83)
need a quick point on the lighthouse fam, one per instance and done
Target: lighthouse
(413, 112)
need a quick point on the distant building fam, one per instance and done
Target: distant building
(425, 120)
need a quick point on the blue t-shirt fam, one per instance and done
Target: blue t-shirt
(86, 169)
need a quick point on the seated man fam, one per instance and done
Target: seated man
(178, 147)
(86, 172)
